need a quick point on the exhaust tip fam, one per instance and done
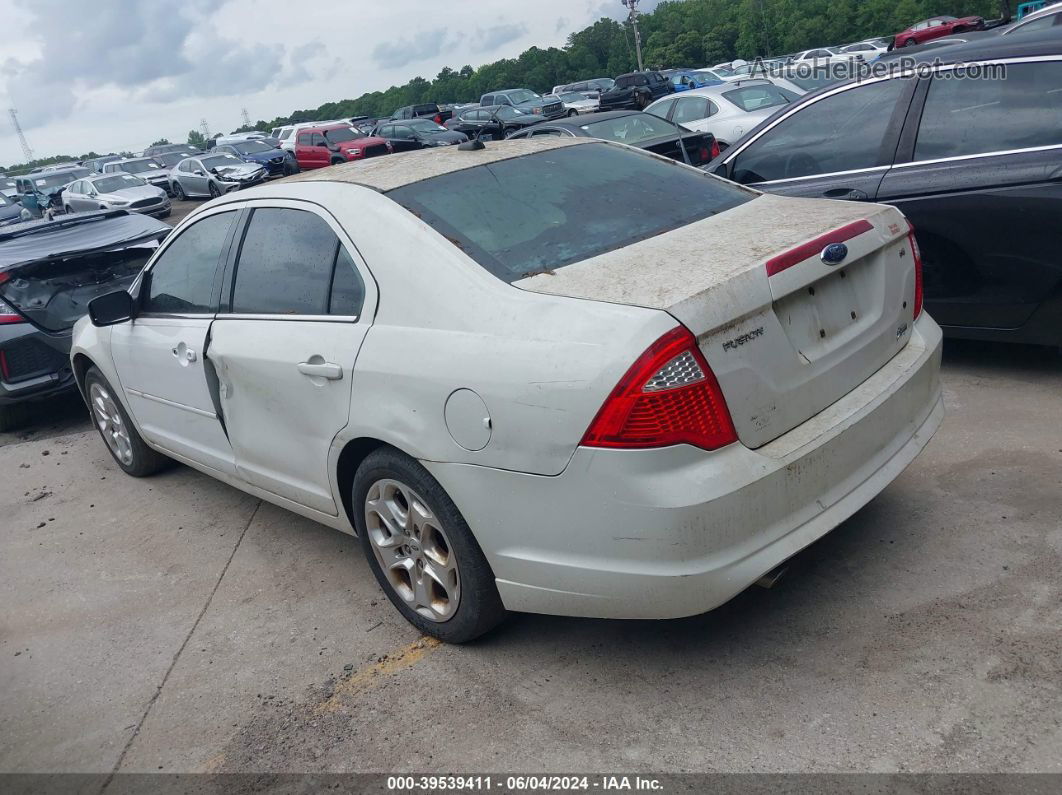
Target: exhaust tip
(769, 579)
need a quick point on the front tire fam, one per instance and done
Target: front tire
(178, 192)
(910, 43)
(123, 442)
(215, 191)
(421, 550)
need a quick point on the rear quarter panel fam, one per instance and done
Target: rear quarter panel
(542, 364)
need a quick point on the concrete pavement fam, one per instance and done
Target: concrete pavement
(176, 624)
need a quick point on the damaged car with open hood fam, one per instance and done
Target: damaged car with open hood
(49, 271)
(213, 175)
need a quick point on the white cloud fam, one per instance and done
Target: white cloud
(121, 73)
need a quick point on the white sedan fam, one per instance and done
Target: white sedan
(556, 376)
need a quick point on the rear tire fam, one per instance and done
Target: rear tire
(910, 43)
(407, 521)
(120, 436)
(572, 112)
(336, 161)
(178, 192)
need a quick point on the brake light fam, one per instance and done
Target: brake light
(703, 154)
(8, 315)
(802, 252)
(668, 396)
(917, 253)
(438, 118)
(715, 149)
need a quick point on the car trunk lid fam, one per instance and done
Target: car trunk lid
(50, 271)
(785, 333)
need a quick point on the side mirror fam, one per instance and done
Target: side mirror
(199, 172)
(112, 308)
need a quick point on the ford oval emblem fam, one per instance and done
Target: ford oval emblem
(834, 254)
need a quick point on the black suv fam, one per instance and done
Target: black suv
(635, 91)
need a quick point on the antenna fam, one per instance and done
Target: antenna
(246, 118)
(204, 128)
(26, 151)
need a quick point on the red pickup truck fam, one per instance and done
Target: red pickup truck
(317, 147)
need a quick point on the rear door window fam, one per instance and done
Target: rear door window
(843, 132)
(285, 265)
(974, 116)
(181, 281)
(691, 109)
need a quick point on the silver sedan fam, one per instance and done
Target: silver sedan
(212, 175)
(728, 111)
(116, 191)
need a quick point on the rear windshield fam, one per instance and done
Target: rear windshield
(626, 81)
(632, 129)
(600, 198)
(752, 98)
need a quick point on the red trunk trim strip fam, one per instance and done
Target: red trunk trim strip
(813, 247)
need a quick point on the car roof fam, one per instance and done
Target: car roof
(722, 88)
(388, 173)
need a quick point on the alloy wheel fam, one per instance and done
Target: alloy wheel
(413, 550)
(109, 420)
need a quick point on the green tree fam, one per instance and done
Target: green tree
(196, 139)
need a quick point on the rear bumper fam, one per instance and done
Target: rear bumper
(35, 365)
(678, 531)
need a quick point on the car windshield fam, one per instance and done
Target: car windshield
(140, 166)
(523, 95)
(425, 126)
(343, 134)
(600, 198)
(217, 161)
(7, 184)
(4, 201)
(170, 159)
(117, 182)
(629, 81)
(753, 98)
(59, 178)
(632, 129)
(252, 147)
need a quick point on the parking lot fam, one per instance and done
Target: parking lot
(176, 624)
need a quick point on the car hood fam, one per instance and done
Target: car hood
(361, 143)
(154, 174)
(534, 103)
(133, 194)
(265, 157)
(237, 170)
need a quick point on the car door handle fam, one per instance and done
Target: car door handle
(322, 369)
(184, 353)
(851, 194)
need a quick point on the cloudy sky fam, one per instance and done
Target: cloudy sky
(117, 74)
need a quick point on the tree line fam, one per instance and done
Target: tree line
(686, 33)
(681, 33)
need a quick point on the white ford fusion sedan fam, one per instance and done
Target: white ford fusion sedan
(564, 377)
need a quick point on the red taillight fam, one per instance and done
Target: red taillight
(438, 119)
(8, 314)
(917, 253)
(669, 396)
(703, 155)
(715, 149)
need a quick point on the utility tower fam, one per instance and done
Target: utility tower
(632, 6)
(21, 135)
(204, 128)
(246, 118)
